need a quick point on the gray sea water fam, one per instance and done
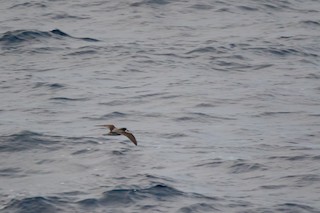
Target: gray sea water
(222, 96)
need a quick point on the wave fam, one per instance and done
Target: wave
(173, 135)
(284, 207)
(11, 172)
(312, 76)
(29, 4)
(19, 36)
(122, 198)
(316, 157)
(84, 151)
(49, 85)
(155, 179)
(112, 198)
(237, 166)
(149, 2)
(199, 207)
(311, 23)
(125, 197)
(244, 167)
(114, 103)
(212, 163)
(146, 198)
(34, 204)
(200, 117)
(247, 8)
(64, 16)
(68, 99)
(200, 6)
(281, 51)
(291, 158)
(263, 114)
(303, 180)
(273, 186)
(26, 140)
(204, 50)
(205, 105)
(314, 115)
(82, 52)
(295, 207)
(108, 116)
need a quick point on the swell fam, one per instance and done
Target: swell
(199, 207)
(129, 196)
(302, 180)
(21, 36)
(28, 4)
(67, 99)
(49, 85)
(200, 117)
(149, 3)
(146, 198)
(35, 204)
(238, 166)
(285, 207)
(110, 115)
(230, 54)
(26, 140)
(282, 51)
(244, 167)
(11, 172)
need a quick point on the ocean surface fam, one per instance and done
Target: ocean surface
(223, 97)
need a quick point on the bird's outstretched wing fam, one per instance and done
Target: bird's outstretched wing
(109, 126)
(130, 136)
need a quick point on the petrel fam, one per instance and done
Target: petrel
(120, 131)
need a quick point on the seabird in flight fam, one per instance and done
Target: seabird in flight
(120, 131)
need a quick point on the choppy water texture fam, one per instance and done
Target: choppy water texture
(222, 96)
